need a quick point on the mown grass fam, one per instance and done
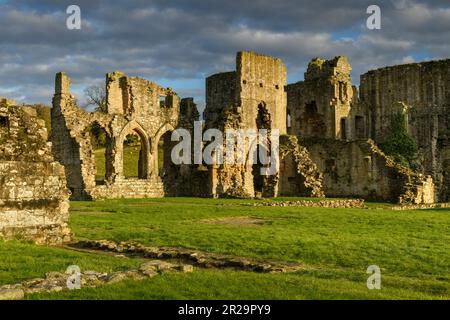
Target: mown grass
(130, 161)
(227, 284)
(23, 261)
(336, 246)
(414, 243)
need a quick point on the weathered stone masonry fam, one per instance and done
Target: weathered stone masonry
(422, 92)
(334, 126)
(33, 195)
(134, 105)
(252, 97)
(328, 142)
(329, 135)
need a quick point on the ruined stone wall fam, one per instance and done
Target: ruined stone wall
(135, 106)
(260, 81)
(334, 126)
(252, 97)
(424, 89)
(33, 194)
(190, 179)
(220, 94)
(360, 169)
(299, 175)
(323, 104)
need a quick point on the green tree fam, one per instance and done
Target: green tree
(98, 136)
(399, 144)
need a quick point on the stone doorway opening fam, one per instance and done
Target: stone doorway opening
(262, 184)
(166, 167)
(135, 155)
(99, 142)
(258, 166)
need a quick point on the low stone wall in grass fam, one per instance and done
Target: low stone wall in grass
(339, 203)
(196, 258)
(180, 260)
(422, 206)
(57, 281)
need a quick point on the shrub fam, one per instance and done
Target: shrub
(399, 144)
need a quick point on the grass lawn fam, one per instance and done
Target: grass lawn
(24, 261)
(226, 284)
(336, 246)
(130, 161)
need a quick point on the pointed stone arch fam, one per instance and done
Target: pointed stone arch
(167, 127)
(144, 165)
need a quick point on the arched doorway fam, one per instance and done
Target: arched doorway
(135, 155)
(262, 184)
(165, 162)
(258, 178)
(99, 140)
(163, 166)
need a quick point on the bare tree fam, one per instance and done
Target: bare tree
(96, 96)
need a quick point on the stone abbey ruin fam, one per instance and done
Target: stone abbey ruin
(329, 143)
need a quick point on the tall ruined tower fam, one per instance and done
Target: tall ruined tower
(252, 97)
(320, 105)
(258, 81)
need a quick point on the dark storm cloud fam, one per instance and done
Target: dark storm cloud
(183, 41)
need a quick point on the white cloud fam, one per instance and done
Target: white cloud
(190, 39)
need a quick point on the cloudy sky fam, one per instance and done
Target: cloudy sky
(178, 43)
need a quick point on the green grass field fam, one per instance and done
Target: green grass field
(336, 246)
(130, 161)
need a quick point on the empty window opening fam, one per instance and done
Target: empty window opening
(4, 122)
(162, 101)
(311, 108)
(288, 120)
(343, 129)
(263, 120)
(342, 91)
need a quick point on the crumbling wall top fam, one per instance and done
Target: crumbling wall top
(23, 137)
(136, 96)
(321, 68)
(62, 83)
